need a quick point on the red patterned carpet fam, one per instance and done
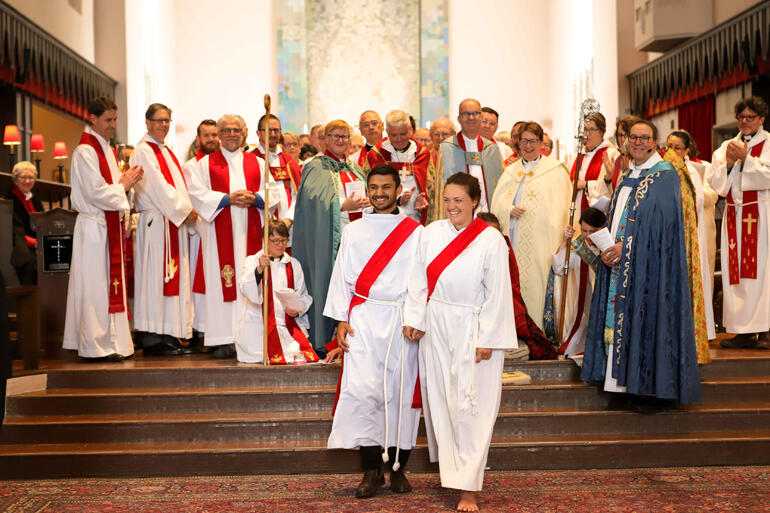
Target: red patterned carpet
(701, 489)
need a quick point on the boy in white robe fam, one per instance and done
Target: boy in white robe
(291, 323)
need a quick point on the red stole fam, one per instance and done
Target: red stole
(170, 253)
(452, 251)
(219, 173)
(749, 232)
(618, 171)
(345, 177)
(363, 157)
(592, 173)
(369, 274)
(114, 232)
(419, 167)
(441, 262)
(29, 206)
(199, 280)
(480, 146)
(274, 348)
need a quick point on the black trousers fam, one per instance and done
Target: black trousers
(371, 457)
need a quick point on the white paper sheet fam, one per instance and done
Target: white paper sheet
(602, 203)
(602, 239)
(289, 299)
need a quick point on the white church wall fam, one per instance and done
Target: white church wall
(224, 63)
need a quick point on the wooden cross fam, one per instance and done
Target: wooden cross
(749, 221)
(115, 284)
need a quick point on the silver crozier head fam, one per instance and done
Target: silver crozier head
(588, 107)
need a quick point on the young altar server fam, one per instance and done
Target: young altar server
(287, 324)
(460, 300)
(377, 411)
(583, 260)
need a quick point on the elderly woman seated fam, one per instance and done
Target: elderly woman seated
(23, 256)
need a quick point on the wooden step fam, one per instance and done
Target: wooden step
(316, 425)
(60, 401)
(575, 451)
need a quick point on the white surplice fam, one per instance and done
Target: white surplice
(578, 341)
(408, 181)
(223, 317)
(89, 327)
(697, 174)
(378, 344)
(471, 307)
(249, 342)
(286, 202)
(198, 300)
(747, 303)
(159, 203)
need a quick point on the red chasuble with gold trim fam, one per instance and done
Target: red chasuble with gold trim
(419, 167)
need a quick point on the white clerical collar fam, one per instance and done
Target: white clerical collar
(410, 148)
(529, 164)
(369, 211)
(284, 259)
(758, 137)
(27, 196)
(230, 154)
(601, 145)
(98, 137)
(272, 153)
(654, 159)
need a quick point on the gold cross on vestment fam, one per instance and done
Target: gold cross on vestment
(749, 221)
(732, 244)
(227, 273)
(115, 284)
(475, 159)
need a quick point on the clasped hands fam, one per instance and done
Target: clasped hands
(242, 198)
(735, 151)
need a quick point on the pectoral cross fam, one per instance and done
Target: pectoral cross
(59, 247)
(115, 284)
(749, 221)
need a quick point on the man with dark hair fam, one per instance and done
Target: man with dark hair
(468, 152)
(489, 123)
(285, 170)
(96, 323)
(630, 347)
(162, 305)
(207, 140)
(740, 171)
(367, 291)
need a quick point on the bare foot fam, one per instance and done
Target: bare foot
(467, 501)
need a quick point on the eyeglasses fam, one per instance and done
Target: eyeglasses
(746, 117)
(487, 122)
(442, 135)
(25, 178)
(590, 129)
(338, 137)
(528, 141)
(164, 121)
(278, 241)
(227, 131)
(369, 124)
(290, 145)
(473, 114)
(641, 138)
(675, 147)
(273, 131)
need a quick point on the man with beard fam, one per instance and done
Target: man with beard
(368, 287)
(411, 161)
(227, 188)
(285, 170)
(207, 140)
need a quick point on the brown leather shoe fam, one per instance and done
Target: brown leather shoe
(368, 486)
(740, 341)
(399, 483)
(763, 341)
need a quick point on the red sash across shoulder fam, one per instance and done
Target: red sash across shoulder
(114, 232)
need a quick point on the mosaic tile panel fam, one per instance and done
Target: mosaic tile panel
(434, 54)
(292, 64)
